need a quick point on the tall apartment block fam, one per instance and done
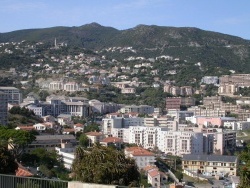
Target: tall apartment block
(3, 108)
(14, 95)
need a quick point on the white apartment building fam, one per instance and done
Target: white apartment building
(169, 142)
(38, 111)
(14, 95)
(128, 90)
(71, 86)
(238, 125)
(120, 122)
(179, 143)
(141, 109)
(56, 85)
(104, 107)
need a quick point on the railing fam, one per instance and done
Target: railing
(9, 181)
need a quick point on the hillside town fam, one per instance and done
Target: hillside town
(205, 134)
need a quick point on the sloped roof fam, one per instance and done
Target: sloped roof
(216, 158)
(94, 133)
(154, 173)
(111, 139)
(23, 172)
(139, 151)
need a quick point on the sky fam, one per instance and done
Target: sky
(225, 16)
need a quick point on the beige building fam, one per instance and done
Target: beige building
(210, 165)
(95, 137)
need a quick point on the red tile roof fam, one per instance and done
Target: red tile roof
(111, 139)
(149, 167)
(94, 133)
(138, 151)
(154, 173)
(23, 172)
(26, 128)
(79, 125)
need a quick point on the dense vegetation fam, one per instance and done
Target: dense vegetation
(245, 168)
(105, 165)
(17, 140)
(218, 52)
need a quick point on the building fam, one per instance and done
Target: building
(71, 86)
(49, 142)
(154, 178)
(212, 121)
(211, 165)
(112, 141)
(203, 111)
(3, 108)
(141, 109)
(128, 90)
(239, 79)
(120, 122)
(67, 152)
(177, 102)
(237, 125)
(104, 107)
(224, 142)
(14, 95)
(95, 137)
(56, 105)
(210, 80)
(180, 143)
(141, 156)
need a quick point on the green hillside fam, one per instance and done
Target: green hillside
(194, 45)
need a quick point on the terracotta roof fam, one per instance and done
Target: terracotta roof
(138, 151)
(22, 171)
(154, 173)
(79, 125)
(94, 133)
(26, 128)
(149, 167)
(112, 139)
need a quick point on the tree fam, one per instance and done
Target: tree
(245, 170)
(7, 161)
(92, 127)
(17, 140)
(105, 165)
(83, 140)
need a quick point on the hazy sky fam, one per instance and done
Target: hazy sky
(224, 16)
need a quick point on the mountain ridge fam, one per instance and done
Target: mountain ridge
(213, 49)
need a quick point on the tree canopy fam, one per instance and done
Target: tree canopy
(7, 161)
(105, 165)
(16, 139)
(245, 170)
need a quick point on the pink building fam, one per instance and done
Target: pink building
(219, 121)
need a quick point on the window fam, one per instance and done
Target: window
(137, 138)
(151, 139)
(169, 143)
(184, 144)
